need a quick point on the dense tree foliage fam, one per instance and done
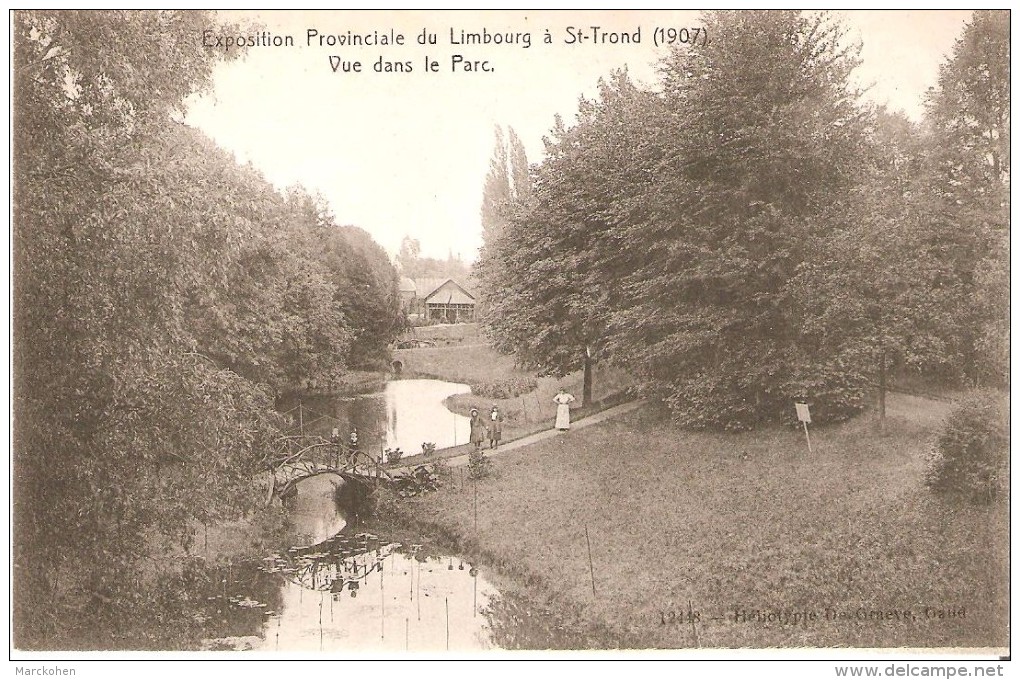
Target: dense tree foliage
(746, 233)
(966, 197)
(163, 296)
(367, 290)
(542, 276)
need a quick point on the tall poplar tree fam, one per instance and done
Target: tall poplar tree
(497, 193)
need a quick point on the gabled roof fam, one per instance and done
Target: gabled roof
(426, 286)
(455, 293)
(407, 285)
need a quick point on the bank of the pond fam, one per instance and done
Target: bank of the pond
(161, 604)
(307, 597)
(718, 540)
(528, 614)
(523, 414)
(352, 383)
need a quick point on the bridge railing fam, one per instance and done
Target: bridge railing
(336, 455)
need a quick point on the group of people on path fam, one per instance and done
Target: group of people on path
(491, 428)
(482, 428)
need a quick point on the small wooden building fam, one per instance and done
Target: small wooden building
(441, 300)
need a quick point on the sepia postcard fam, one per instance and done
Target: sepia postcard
(505, 335)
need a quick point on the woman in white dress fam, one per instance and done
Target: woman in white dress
(563, 400)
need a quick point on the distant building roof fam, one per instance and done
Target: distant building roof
(407, 285)
(426, 286)
(450, 293)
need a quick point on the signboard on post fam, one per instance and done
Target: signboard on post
(804, 416)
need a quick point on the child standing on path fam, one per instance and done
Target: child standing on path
(495, 427)
(477, 429)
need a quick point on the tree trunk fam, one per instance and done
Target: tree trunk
(586, 393)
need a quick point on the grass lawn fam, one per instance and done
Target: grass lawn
(768, 545)
(448, 334)
(474, 363)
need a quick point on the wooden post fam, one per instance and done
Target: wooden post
(804, 416)
(591, 566)
(690, 617)
(586, 385)
(447, 624)
(881, 392)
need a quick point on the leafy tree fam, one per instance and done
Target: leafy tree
(407, 257)
(760, 146)
(103, 377)
(919, 277)
(507, 184)
(970, 105)
(544, 290)
(370, 296)
(155, 281)
(966, 196)
(869, 293)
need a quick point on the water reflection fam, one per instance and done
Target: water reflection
(357, 592)
(352, 591)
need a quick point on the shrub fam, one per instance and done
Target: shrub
(505, 388)
(394, 455)
(441, 469)
(720, 400)
(417, 482)
(969, 454)
(835, 393)
(479, 467)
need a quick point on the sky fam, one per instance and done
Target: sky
(406, 153)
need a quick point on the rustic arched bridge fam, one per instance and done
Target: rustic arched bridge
(301, 457)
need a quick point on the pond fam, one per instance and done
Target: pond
(406, 414)
(338, 589)
(345, 590)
